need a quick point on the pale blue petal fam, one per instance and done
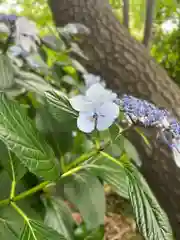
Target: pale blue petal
(85, 122)
(107, 113)
(109, 109)
(79, 103)
(91, 79)
(95, 91)
(98, 94)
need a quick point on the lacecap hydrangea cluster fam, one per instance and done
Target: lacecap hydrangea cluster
(99, 107)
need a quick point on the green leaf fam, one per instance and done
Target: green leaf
(151, 219)
(69, 80)
(6, 73)
(19, 168)
(60, 141)
(77, 50)
(124, 144)
(61, 110)
(19, 134)
(97, 234)
(54, 43)
(6, 186)
(78, 66)
(10, 224)
(112, 174)
(87, 194)
(131, 152)
(35, 61)
(81, 233)
(35, 230)
(31, 81)
(59, 217)
(27, 205)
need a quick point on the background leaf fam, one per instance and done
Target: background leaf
(113, 175)
(131, 151)
(60, 140)
(20, 135)
(38, 231)
(87, 194)
(11, 224)
(61, 110)
(59, 217)
(19, 168)
(6, 71)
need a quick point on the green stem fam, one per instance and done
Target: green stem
(81, 159)
(20, 212)
(13, 184)
(13, 188)
(71, 171)
(62, 162)
(111, 158)
(31, 191)
(26, 219)
(25, 193)
(4, 202)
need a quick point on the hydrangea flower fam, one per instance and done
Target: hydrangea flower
(96, 108)
(26, 34)
(149, 115)
(7, 18)
(143, 111)
(16, 51)
(174, 125)
(6, 22)
(91, 79)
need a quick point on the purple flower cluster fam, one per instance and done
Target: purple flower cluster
(145, 113)
(142, 111)
(7, 18)
(174, 126)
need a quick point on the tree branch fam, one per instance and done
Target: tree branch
(126, 13)
(150, 5)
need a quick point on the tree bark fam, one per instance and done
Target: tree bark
(125, 65)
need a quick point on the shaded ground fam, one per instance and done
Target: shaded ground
(119, 222)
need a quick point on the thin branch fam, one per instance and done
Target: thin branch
(150, 5)
(126, 13)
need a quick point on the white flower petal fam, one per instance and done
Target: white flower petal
(94, 91)
(79, 103)
(98, 94)
(25, 26)
(26, 34)
(107, 113)
(109, 109)
(15, 50)
(91, 79)
(85, 122)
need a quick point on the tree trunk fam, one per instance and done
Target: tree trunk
(125, 65)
